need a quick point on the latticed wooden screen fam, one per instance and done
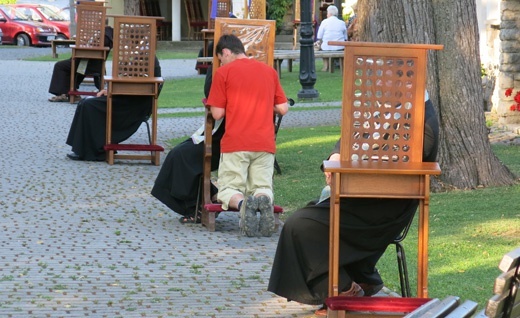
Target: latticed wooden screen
(255, 9)
(383, 103)
(258, 37)
(90, 30)
(134, 46)
(222, 10)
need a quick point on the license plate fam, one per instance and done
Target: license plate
(51, 37)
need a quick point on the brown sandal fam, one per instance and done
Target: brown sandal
(59, 98)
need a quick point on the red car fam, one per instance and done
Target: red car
(44, 13)
(18, 30)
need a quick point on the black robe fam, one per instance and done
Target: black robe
(367, 227)
(87, 131)
(178, 183)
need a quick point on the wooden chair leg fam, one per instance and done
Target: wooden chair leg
(110, 157)
(208, 220)
(156, 160)
(335, 313)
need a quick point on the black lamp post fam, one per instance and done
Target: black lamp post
(307, 66)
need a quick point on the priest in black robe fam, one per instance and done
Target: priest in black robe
(179, 181)
(87, 131)
(300, 269)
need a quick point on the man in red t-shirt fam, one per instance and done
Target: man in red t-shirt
(246, 92)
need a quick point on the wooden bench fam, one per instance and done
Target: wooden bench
(504, 304)
(506, 301)
(290, 56)
(56, 43)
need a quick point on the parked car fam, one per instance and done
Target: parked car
(65, 12)
(18, 30)
(48, 15)
(1, 34)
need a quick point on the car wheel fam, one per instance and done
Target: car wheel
(22, 40)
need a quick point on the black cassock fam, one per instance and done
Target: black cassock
(87, 131)
(367, 226)
(177, 184)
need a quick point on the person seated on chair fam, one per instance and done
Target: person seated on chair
(331, 29)
(300, 269)
(178, 183)
(87, 131)
(60, 80)
(209, 53)
(246, 92)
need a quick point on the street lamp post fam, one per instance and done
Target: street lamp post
(307, 66)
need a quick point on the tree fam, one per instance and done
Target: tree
(454, 81)
(131, 7)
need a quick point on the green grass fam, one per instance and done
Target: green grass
(470, 230)
(161, 55)
(328, 85)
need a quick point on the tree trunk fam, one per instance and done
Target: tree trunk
(454, 81)
(132, 7)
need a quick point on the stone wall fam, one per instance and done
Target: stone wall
(509, 69)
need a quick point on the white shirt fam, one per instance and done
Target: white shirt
(332, 29)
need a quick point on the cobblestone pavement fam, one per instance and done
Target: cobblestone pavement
(84, 239)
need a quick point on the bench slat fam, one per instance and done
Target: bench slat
(444, 307)
(481, 314)
(464, 311)
(503, 282)
(419, 312)
(510, 260)
(495, 305)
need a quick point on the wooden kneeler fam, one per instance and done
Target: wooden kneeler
(133, 74)
(258, 37)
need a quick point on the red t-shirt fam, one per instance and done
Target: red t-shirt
(248, 90)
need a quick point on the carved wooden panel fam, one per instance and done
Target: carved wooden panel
(258, 37)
